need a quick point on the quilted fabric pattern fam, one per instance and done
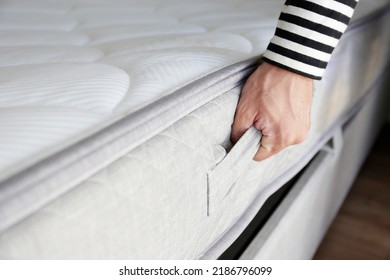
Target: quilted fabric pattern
(152, 202)
(110, 58)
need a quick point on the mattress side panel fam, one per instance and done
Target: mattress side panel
(154, 199)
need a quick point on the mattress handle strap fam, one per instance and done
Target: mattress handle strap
(225, 174)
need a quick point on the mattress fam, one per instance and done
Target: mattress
(116, 121)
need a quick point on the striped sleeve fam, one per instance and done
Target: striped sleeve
(306, 34)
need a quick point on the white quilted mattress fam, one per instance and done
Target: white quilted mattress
(107, 105)
(67, 67)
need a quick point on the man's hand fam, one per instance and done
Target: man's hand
(277, 102)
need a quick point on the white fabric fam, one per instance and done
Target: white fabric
(56, 53)
(159, 45)
(152, 202)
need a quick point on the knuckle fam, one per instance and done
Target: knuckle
(273, 149)
(243, 117)
(259, 124)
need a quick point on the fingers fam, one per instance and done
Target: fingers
(278, 140)
(267, 149)
(242, 121)
(246, 111)
(263, 154)
(239, 128)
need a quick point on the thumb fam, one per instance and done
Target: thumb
(267, 148)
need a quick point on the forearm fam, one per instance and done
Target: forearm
(306, 34)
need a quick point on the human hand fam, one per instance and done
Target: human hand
(277, 102)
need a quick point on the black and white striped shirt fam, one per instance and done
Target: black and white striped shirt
(307, 33)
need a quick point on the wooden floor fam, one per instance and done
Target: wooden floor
(361, 229)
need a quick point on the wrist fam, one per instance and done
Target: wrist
(278, 71)
(290, 68)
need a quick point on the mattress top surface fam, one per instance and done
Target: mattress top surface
(71, 67)
(67, 67)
